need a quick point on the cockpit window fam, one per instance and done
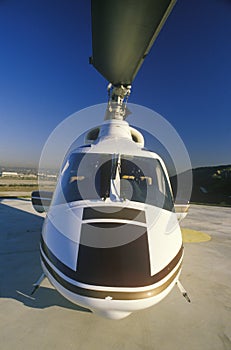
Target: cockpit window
(84, 176)
(90, 176)
(143, 180)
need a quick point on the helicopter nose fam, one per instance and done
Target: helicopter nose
(112, 314)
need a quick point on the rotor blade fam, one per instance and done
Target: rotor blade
(123, 32)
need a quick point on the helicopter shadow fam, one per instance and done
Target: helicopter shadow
(20, 267)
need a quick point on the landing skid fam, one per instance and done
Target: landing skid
(37, 284)
(183, 291)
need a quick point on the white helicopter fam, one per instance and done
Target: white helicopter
(111, 240)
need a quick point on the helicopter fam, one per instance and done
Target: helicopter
(111, 240)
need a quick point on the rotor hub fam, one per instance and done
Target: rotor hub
(117, 102)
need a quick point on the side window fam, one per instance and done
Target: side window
(164, 188)
(160, 180)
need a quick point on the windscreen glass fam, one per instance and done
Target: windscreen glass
(89, 176)
(84, 176)
(143, 180)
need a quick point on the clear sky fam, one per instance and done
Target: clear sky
(45, 75)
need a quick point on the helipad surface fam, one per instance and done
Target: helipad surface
(51, 322)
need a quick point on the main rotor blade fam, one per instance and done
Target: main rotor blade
(123, 32)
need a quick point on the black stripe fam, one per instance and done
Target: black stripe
(115, 275)
(126, 265)
(56, 262)
(114, 213)
(90, 293)
(71, 287)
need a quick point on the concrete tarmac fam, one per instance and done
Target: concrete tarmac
(51, 322)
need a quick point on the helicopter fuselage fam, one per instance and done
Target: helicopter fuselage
(111, 241)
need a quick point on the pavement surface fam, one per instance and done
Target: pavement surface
(51, 322)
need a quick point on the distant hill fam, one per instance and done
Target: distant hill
(211, 185)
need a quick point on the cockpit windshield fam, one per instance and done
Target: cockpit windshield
(89, 176)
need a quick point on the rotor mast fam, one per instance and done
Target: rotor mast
(117, 101)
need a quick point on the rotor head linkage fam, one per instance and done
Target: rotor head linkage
(117, 101)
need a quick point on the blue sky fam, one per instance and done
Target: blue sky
(45, 75)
